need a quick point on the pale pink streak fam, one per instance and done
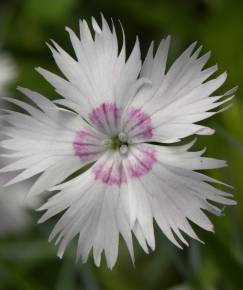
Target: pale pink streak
(139, 124)
(85, 145)
(105, 114)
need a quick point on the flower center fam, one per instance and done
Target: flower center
(120, 142)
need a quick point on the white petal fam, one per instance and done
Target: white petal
(100, 74)
(178, 193)
(180, 97)
(47, 140)
(91, 213)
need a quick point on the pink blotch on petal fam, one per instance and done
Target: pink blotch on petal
(82, 145)
(140, 123)
(109, 175)
(138, 166)
(142, 163)
(104, 114)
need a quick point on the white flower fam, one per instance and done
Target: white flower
(115, 117)
(14, 215)
(7, 71)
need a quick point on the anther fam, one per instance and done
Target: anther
(123, 149)
(122, 137)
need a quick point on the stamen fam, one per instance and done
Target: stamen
(122, 137)
(123, 149)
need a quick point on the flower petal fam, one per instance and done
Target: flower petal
(45, 140)
(178, 193)
(93, 212)
(180, 97)
(123, 194)
(101, 73)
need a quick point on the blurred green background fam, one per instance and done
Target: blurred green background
(28, 261)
